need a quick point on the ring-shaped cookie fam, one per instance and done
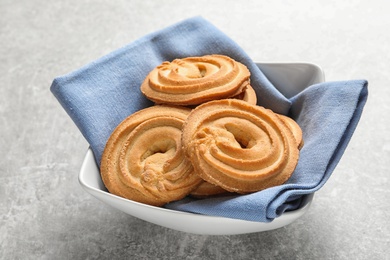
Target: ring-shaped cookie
(238, 146)
(248, 95)
(143, 158)
(206, 190)
(195, 80)
(295, 129)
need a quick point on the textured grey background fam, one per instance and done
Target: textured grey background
(45, 214)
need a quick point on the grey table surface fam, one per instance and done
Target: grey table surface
(45, 214)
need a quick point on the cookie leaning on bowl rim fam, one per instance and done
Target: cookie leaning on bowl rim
(143, 158)
(238, 146)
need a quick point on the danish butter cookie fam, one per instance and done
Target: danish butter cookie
(143, 158)
(195, 80)
(238, 146)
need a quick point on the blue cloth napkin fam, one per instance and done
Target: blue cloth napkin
(101, 94)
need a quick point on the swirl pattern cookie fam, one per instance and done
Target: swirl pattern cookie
(248, 95)
(206, 190)
(143, 158)
(295, 129)
(238, 146)
(195, 80)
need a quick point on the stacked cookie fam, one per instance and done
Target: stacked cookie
(205, 136)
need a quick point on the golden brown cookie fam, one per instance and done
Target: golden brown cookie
(295, 129)
(248, 95)
(143, 159)
(206, 190)
(195, 80)
(238, 146)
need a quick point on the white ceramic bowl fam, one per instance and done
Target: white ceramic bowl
(290, 79)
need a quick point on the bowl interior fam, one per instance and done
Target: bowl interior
(292, 78)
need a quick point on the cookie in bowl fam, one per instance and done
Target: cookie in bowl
(195, 80)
